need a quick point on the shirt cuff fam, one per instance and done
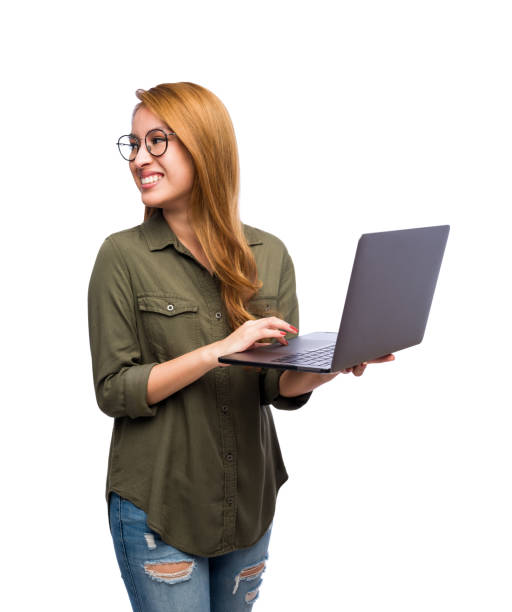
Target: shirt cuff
(135, 387)
(269, 378)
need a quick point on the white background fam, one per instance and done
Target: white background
(351, 117)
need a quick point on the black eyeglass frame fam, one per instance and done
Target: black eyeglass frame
(145, 142)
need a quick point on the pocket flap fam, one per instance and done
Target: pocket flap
(168, 305)
(262, 306)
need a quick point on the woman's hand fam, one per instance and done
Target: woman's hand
(293, 382)
(250, 334)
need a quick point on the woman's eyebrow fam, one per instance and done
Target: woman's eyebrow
(158, 127)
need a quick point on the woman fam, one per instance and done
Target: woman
(194, 465)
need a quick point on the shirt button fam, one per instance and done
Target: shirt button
(229, 457)
(267, 307)
(224, 409)
(229, 500)
(218, 315)
(170, 306)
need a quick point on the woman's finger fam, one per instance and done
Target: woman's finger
(278, 324)
(278, 334)
(359, 369)
(389, 357)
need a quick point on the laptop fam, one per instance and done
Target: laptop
(387, 304)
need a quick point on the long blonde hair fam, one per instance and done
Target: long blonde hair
(203, 125)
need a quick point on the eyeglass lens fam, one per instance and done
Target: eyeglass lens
(156, 144)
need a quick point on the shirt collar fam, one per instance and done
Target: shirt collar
(159, 234)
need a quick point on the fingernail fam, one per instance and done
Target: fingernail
(365, 363)
(294, 329)
(282, 332)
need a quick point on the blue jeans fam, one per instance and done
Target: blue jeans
(159, 577)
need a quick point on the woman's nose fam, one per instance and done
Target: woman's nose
(143, 155)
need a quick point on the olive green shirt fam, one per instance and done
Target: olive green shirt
(204, 463)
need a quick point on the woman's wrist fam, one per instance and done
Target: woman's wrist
(211, 353)
(293, 383)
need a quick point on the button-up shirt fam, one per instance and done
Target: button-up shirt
(204, 463)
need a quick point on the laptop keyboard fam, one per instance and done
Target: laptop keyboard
(321, 357)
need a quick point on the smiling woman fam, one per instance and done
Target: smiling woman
(195, 464)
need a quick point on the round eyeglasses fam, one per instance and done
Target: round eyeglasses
(156, 143)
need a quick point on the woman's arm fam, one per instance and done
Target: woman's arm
(293, 383)
(170, 376)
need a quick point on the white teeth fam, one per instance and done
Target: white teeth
(150, 179)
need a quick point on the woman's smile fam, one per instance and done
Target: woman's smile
(148, 181)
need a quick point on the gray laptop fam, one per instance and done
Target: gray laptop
(388, 301)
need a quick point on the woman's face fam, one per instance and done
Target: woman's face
(175, 168)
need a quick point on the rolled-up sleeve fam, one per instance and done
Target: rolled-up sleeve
(289, 307)
(120, 379)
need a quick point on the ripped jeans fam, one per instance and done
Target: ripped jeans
(159, 577)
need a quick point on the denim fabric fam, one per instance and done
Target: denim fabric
(226, 583)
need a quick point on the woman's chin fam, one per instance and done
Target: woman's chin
(149, 201)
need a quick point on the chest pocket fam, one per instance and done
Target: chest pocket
(267, 307)
(170, 323)
(263, 307)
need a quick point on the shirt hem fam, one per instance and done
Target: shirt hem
(162, 533)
